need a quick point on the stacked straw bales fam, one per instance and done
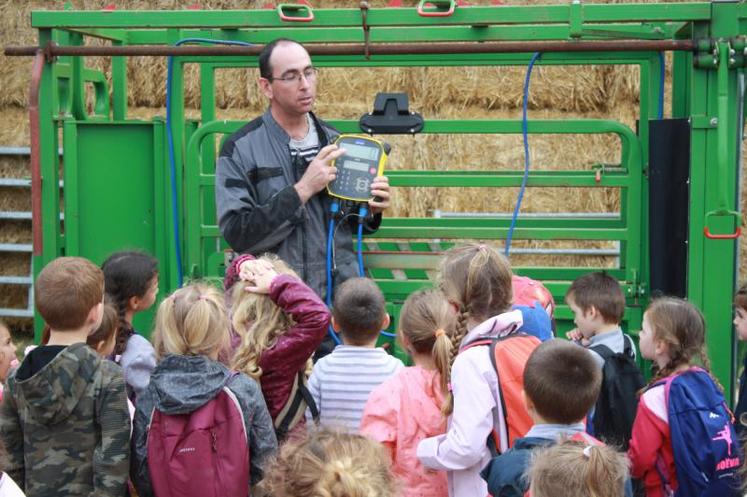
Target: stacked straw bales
(562, 92)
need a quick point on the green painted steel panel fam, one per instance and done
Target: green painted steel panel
(110, 192)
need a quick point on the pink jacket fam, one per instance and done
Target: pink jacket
(463, 450)
(400, 413)
(281, 362)
(651, 442)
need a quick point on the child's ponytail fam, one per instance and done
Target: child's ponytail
(575, 469)
(428, 323)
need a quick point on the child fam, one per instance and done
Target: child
(132, 284)
(575, 469)
(341, 382)
(7, 355)
(598, 305)
(64, 419)
(103, 338)
(331, 464)
(406, 408)
(561, 383)
(673, 337)
(477, 281)
(740, 325)
(282, 322)
(191, 329)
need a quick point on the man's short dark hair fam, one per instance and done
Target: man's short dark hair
(265, 69)
(601, 291)
(562, 380)
(359, 310)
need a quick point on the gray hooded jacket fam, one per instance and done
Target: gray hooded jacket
(180, 385)
(259, 210)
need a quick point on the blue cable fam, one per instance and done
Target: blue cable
(170, 136)
(362, 213)
(525, 133)
(662, 75)
(334, 208)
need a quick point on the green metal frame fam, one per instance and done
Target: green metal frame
(705, 89)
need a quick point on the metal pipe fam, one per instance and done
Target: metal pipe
(36, 180)
(53, 50)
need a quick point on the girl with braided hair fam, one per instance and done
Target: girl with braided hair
(131, 282)
(673, 338)
(476, 279)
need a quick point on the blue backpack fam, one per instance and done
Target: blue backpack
(707, 451)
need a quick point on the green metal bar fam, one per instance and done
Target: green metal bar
(72, 193)
(119, 86)
(478, 16)
(423, 33)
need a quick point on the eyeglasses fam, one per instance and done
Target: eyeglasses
(295, 77)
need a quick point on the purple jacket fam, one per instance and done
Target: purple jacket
(281, 363)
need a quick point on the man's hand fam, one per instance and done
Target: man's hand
(381, 195)
(319, 173)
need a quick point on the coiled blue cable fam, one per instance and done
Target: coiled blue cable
(170, 137)
(525, 134)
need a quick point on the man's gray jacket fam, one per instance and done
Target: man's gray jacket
(259, 210)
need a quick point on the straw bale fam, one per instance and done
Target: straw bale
(14, 167)
(15, 231)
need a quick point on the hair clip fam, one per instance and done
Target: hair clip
(439, 332)
(587, 452)
(202, 297)
(448, 386)
(482, 247)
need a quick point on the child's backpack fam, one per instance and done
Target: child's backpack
(509, 355)
(203, 453)
(617, 403)
(706, 449)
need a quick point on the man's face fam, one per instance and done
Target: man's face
(292, 88)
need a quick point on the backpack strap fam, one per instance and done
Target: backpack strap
(604, 351)
(295, 403)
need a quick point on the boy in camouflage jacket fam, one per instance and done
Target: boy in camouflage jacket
(64, 418)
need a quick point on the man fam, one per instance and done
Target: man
(271, 176)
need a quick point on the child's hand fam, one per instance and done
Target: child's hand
(576, 336)
(260, 273)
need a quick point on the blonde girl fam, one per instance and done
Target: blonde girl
(476, 280)
(331, 464)
(575, 469)
(405, 409)
(191, 329)
(281, 322)
(673, 338)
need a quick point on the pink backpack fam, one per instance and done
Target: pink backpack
(203, 453)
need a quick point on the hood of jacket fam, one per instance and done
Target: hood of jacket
(181, 384)
(53, 393)
(497, 326)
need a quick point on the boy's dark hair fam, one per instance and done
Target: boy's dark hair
(601, 291)
(265, 69)
(127, 274)
(562, 380)
(66, 290)
(740, 298)
(359, 310)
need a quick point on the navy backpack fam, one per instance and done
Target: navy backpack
(707, 451)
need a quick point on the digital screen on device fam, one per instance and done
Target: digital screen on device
(360, 151)
(355, 166)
